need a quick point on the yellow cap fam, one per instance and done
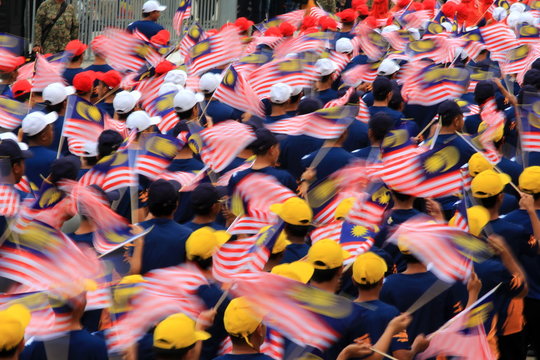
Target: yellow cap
(326, 254)
(343, 208)
(293, 211)
(299, 271)
(489, 183)
(239, 318)
(13, 322)
(478, 217)
(177, 332)
(529, 180)
(369, 268)
(204, 242)
(281, 242)
(131, 279)
(497, 135)
(478, 163)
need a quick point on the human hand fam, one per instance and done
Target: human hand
(400, 322)
(205, 319)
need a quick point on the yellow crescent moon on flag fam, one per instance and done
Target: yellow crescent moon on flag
(395, 138)
(88, 112)
(442, 160)
(162, 147)
(534, 115)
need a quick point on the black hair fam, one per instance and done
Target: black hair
(483, 92)
(297, 97)
(237, 340)
(146, 14)
(396, 100)
(324, 275)
(76, 58)
(171, 354)
(185, 115)
(381, 88)
(536, 196)
(23, 97)
(123, 116)
(447, 118)
(489, 202)
(400, 196)
(308, 105)
(296, 230)
(325, 78)
(50, 108)
(114, 139)
(10, 352)
(91, 160)
(203, 263)
(380, 124)
(366, 286)
(410, 259)
(162, 209)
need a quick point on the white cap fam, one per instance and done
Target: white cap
(34, 122)
(296, 90)
(169, 87)
(55, 93)
(387, 67)
(177, 77)
(90, 149)
(514, 19)
(325, 66)
(518, 7)
(186, 99)
(344, 45)
(125, 101)
(389, 28)
(499, 13)
(414, 33)
(141, 121)
(209, 82)
(12, 136)
(527, 17)
(447, 26)
(280, 93)
(153, 5)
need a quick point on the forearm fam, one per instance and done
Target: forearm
(512, 265)
(535, 222)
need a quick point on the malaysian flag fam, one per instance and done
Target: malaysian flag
(530, 123)
(341, 101)
(182, 13)
(518, 59)
(373, 43)
(83, 122)
(236, 91)
(494, 119)
(360, 73)
(293, 17)
(498, 37)
(474, 43)
(111, 173)
(219, 49)
(398, 39)
(356, 240)
(322, 124)
(368, 210)
(310, 42)
(117, 125)
(124, 51)
(158, 151)
(9, 201)
(10, 60)
(11, 43)
(258, 57)
(12, 113)
(219, 145)
(438, 49)
(163, 107)
(46, 73)
(461, 220)
(192, 36)
(415, 19)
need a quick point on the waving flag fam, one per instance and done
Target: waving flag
(194, 34)
(342, 101)
(258, 57)
(498, 37)
(360, 73)
(355, 239)
(158, 153)
(530, 122)
(12, 113)
(111, 173)
(461, 220)
(83, 121)
(368, 211)
(9, 59)
(163, 106)
(219, 49)
(322, 124)
(518, 59)
(182, 13)
(12, 44)
(398, 39)
(47, 73)
(310, 42)
(235, 91)
(9, 201)
(371, 42)
(219, 145)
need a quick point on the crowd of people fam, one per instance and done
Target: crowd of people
(212, 203)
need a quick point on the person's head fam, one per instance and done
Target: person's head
(484, 90)
(243, 25)
(368, 271)
(162, 198)
(325, 68)
(296, 95)
(141, 121)
(529, 181)
(108, 142)
(152, 9)
(379, 125)
(308, 105)
(407, 254)
(400, 198)
(203, 243)
(450, 115)
(13, 323)
(175, 338)
(125, 102)
(382, 89)
(185, 104)
(487, 187)
(108, 83)
(294, 211)
(266, 145)
(347, 16)
(38, 127)
(65, 168)
(176, 77)
(388, 68)
(345, 46)
(205, 200)
(16, 152)
(208, 83)
(77, 49)
(55, 95)
(300, 271)
(83, 83)
(8, 69)
(478, 163)
(327, 257)
(244, 326)
(280, 94)
(97, 46)
(21, 90)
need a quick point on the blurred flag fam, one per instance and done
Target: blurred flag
(83, 122)
(371, 42)
(218, 49)
(182, 13)
(360, 73)
(498, 37)
(49, 207)
(12, 113)
(528, 34)
(9, 201)
(158, 151)
(368, 211)
(294, 17)
(322, 124)
(356, 239)
(46, 73)
(111, 173)
(163, 106)
(13, 44)
(341, 101)
(530, 123)
(518, 59)
(192, 36)
(235, 91)
(314, 42)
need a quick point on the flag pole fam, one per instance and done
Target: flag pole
(437, 288)
(382, 353)
(131, 239)
(221, 300)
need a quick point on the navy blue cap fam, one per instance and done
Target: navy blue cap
(449, 109)
(162, 192)
(381, 85)
(308, 105)
(10, 149)
(204, 196)
(108, 142)
(66, 168)
(265, 140)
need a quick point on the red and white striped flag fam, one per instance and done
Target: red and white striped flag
(12, 113)
(9, 201)
(498, 37)
(342, 101)
(360, 73)
(47, 73)
(182, 13)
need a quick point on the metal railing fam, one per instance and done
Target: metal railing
(96, 15)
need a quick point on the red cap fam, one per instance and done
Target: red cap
(309, 21)
(416, 6)
(327, 23)
(449, 9)
(287, 29)
(273, 31)
(357, 3)
(243, 24)
(402, 4)
(310, 30)
(164, 67)
(11, 64)
(21, 87)
(84, 81)
(429, 4)
(76, 47)
(111, 78)
(161, 38)
(370, 22)
(362, 10)
(347, 15)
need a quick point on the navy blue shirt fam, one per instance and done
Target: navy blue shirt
(165, 245)
(327, 95)
(335, 159)
(69, 74)
(369, 152)
(269, 119)
(282, 176)
(39, 163)
(394, 114)
(82, 238)
(357, 136)
(190, 164)
(193, 226)
(515, 236)
(293, 148)
(220, 112)
(82, 346)
(107, 108)
(294, 252)
(57, 133)
(99, 68)
(210, 295)
(259, 356)
(146, 27)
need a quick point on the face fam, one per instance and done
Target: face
(459, 122)
(48, 135)
(18, 171)
(155, 15)
(100, 90)
(274, 153)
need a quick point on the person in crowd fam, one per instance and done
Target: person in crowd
(13, 322)
(55, 98)
(124, 103)
(55, 25)
(21, 90)
(148, 26)
(99, 64)
(325, 69)
(297, 215)
(186, 105)
(76, 49)
(280, 99)
(107, 87)
(206, 205)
